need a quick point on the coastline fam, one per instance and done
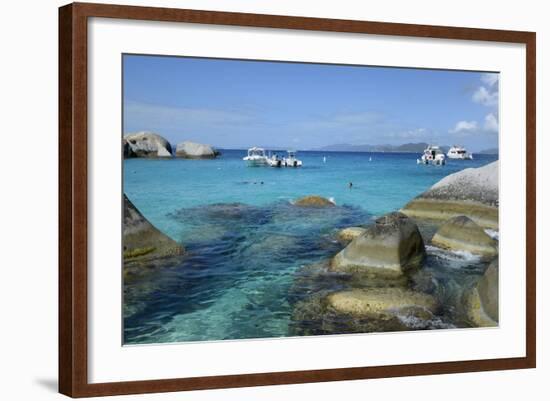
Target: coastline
(320, 296)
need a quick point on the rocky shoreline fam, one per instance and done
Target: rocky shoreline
(387, 289)
(378, 281)
(147, 144)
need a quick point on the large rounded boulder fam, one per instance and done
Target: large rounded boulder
(462, 234)
(472, 192)
(481, 301)
(193, 150)
(142, 240)
(314, 201)
(146, 144)
(389, 248)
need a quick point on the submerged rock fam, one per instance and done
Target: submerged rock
(146, 144)
(348, 234)
(461, 233)
(193, 150)
(142, 240)
(365, 311)
(481, 301)
(314, 201)
(381, 302)
(388, 248)
(472, 192)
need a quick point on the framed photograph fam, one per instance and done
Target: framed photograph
(251, 200)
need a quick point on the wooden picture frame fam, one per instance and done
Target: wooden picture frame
(73, 195)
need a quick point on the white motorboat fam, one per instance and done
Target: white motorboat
(291, 160)
(459, 152)
(275, 160)
(432, 155)
(256, 157)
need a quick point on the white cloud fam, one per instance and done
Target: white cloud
(463, 127)
(491, 123)
(488, 96)
(485, 96)
(489, 79)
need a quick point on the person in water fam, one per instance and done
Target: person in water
(350, 185)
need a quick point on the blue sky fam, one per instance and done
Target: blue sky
(240, 104)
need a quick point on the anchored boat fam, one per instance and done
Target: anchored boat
(275, 160)
(432, 155)
(256, 157)
(459, 152)
(291, 160)
(259, 157)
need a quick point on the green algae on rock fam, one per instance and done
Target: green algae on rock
(142, 240)
(314, 201)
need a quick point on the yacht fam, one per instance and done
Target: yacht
(256, 157)
(459, 152)
(291, 160)
(432, 155)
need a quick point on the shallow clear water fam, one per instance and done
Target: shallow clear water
(247, 243)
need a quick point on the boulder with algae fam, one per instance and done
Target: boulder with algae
(481, 301)
(314, 201)
(381, 302)
(143, 241)
(461, 233)
(388, 248)
(472, 192)
(365, 310)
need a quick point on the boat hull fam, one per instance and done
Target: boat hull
(256, 163)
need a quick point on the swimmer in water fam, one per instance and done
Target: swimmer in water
(350, 185)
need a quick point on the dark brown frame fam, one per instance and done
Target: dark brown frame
(73, 357)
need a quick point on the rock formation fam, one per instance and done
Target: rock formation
(193, 150)
(461, 233)
(313, 201)
(472, 192)
(388, 248)
(143, 241)
(481, 301)
(146, 144)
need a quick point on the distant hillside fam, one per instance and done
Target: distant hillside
(492, 151)
(404, 148)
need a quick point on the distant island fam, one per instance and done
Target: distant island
(404, 148)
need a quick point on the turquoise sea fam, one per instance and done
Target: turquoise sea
(248, 245)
